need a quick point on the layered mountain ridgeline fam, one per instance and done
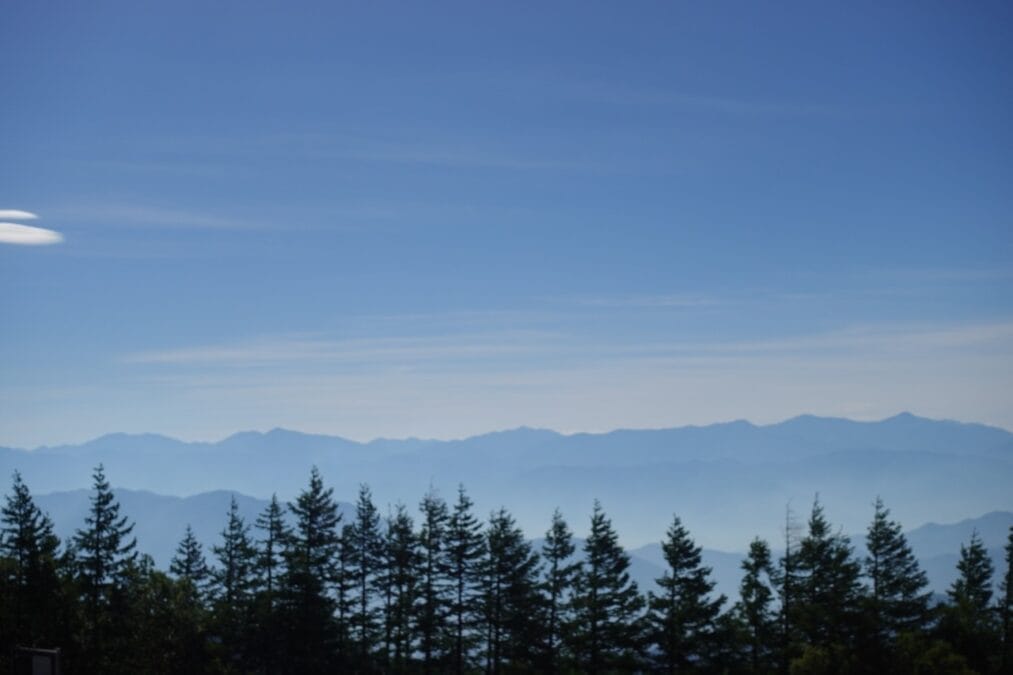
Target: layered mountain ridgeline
(161, 520)
(728, 481)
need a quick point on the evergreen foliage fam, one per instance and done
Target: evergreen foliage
(464, 550)
(682, 615)
(607, 605)
(292, 601)
(365, 564)
(510, 599)
(189, 563)
(561, 570)
(30, 584)
(897, 601)
(433, 599)
(754, 609)
(309, 560)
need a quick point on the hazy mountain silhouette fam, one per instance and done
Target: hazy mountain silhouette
(727, 481)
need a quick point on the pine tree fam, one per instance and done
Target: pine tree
(366, 561)
(433, 597)
(829, 588)
(402, 567)
(754, 607)
(310, 561)
(103, 558)
(969, 622)
(345, 587)
(510, 600)
(272, 547)
(31, 589)
(898, 600)
(1006, 608)
(560, 571)
(189, 564)
(788, 585)
(270, 564)
(234, 584)
(607, 604)
(682, 616)
(463, 552)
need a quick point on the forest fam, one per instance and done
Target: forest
(441, 591)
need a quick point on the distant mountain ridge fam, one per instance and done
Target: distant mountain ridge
(729, 481)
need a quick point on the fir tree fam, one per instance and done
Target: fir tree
(787, 582)
(969, 622)
(510, 597)
(367, 558)
(434, 591)
(898, 600)
(31, 595)
(270, 561)
(234, 583)
(345, 588)
(829, 587)
(754, 607)
(403, 562)
(189, 563)
(103, 556)
(560, 571)
(1006, 608)
(272, 547)
(310, 561)
(682, 616)
(607, 604)
(463, 551)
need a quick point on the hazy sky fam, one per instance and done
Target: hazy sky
(439, 219)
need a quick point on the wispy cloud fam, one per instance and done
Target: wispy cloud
(15, 214)
(385, 350)
(153, 216)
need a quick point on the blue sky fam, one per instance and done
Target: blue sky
(380, 219)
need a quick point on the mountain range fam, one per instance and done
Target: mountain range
(728, 482)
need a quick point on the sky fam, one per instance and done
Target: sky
(440, 219)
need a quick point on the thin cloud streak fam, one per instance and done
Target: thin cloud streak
(28, 235)
(129, 215)
(16, 214)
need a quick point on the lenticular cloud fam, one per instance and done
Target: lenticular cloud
(26, 235)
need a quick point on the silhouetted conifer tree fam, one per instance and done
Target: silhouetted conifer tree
(103, 554)
(189, 563)
(754, 608)
(345, 588)
(969, 623)
(1006, 609)
(270, 566)
(434, 594)
(829, 591)
(897, 601)
(682, 614)
(310, 561)
(235, 582)
(30, 609)
(366, 561)
(510, 600)
(607, 605)
(463, 554)
(786, 580)
(402, 571)
(560, 571)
